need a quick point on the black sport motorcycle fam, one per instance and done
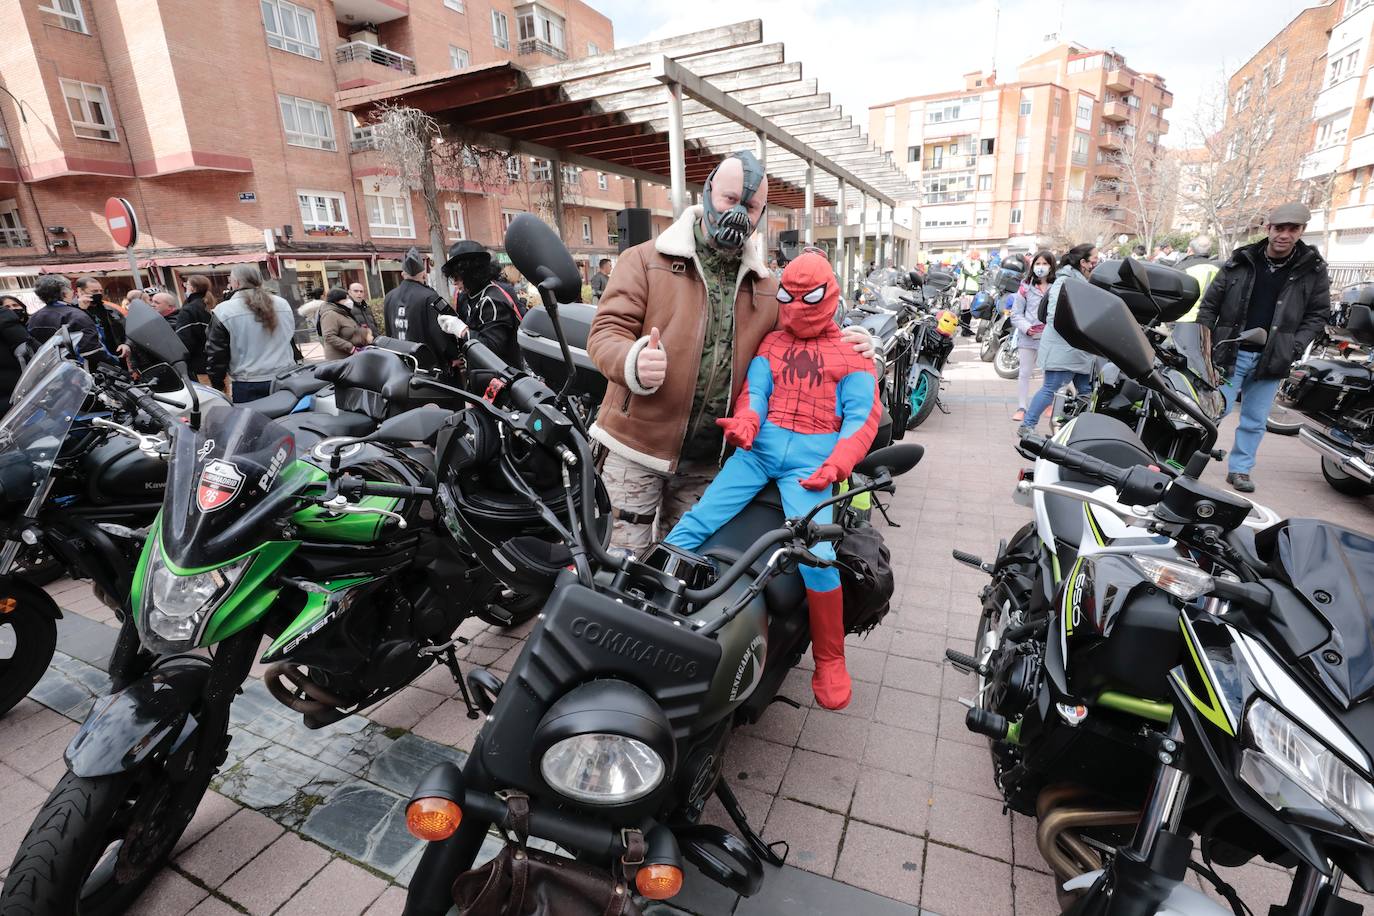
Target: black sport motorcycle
(613, 725)
(1148, 697)
(1335, 398)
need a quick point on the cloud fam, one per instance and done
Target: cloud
(869, 52)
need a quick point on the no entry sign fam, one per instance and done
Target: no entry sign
(119, 213)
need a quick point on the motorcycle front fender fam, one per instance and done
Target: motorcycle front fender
(1182, 901)
(29, 596)
(152, 714)
(925, 365)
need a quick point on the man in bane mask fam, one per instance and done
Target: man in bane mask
(680, 319)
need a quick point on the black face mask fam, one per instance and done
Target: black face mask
(97, 299)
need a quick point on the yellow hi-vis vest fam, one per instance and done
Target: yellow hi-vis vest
(1204, 274)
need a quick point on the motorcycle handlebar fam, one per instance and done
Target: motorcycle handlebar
(767, 540)
(1138, 485)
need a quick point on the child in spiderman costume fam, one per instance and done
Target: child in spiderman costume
(806, 415)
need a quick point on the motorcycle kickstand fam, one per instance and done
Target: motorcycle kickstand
(882, 510)
(451, 660)
(764, 850)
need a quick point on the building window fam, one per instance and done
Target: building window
(500, 30)
(913, 154)
(389, 216)
(601, 183)
(592, 49)
(4, 140)
(1018, 181)
(987, 145)
(458, 57)
(540, 170)
(981, 218)
(307, 123)
(1025, 107)
(985, 182)
(455, 226)
(1154, 111)
(290, 28)
(1283, 67)
(455, 5)
(1016, 216)
(12, 234)
(586, 230)
(1133, 101)
(1022, 145)
(570, 175)
(1080, 144)
(322, 210)
(513, 168)
(1049, 182)
(1056, 106)
(68, 13)
(89, 109)
(1085, 111)
(508, 217)
(540, 25)
(612, 229)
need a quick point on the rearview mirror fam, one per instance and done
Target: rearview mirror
(418, 425)
(1099, 322)
(145, 327)
(1256, 337)
(538, 253)
(898, 459)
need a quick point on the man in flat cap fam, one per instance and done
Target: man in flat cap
(412, 312)
(1280, 284)
(674, 332)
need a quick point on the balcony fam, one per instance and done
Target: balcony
(14, 238)
(1321, 162)
(362, 63)
(1112, 139)
(538, 46)
(952, 164)
(1361, 152)
(364, 138)
(1078, 158)
(376, 11)
(1120, 80)
(1116, 111)
(1338, 96)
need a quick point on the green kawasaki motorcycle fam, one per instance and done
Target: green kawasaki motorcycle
(326, 547)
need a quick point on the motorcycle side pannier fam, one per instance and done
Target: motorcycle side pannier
(539, 345)
(1317, 385)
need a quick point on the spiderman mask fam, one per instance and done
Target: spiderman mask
(809, 295)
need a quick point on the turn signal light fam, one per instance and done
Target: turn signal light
(433, 819)
(658, 882)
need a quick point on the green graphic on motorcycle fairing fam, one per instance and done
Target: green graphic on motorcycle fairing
(317, 605)
(1154, 710)
(1213, 708)
(353, 528)
(246, 602)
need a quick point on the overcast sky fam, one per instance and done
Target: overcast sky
(869, 51)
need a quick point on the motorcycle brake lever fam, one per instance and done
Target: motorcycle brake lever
(341, 505)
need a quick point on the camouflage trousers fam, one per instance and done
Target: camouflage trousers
(647, 504)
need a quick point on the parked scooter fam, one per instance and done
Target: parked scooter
(609, 735)
(1144, 676)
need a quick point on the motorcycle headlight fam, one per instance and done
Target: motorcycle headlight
(1291, 768)
(602, 769)
(174, 606)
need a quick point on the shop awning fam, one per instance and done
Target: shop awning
(145, 263)
(208, 259)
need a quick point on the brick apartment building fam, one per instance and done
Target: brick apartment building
(217, 121)
(1000, 164)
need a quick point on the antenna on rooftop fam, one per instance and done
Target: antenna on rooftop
(996, 32)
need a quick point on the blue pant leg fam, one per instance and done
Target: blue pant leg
(1054, 380)
(1254, 411)
(741, 477)
(797, 501)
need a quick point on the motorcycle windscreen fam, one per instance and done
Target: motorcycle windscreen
(1194, 342)
(49, 356)
(32, 433)
(228, 486)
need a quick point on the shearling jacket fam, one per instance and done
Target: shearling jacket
(659, 284)
(339, 331)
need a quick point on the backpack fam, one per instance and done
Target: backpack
(866, 579)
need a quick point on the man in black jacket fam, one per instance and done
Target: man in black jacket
(59, 311)
(412, 312)
(1279, 284)
(488, 308)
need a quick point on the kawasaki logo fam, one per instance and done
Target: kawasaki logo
(634, 649)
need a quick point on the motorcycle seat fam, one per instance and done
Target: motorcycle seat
(310, 428)
(735, 537)
(1106, 438)
(275, 405)
(300, 384)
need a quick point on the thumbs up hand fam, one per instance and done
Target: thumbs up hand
(652, 365)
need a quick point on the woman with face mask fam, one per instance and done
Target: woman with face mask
(1061, 362)
(1025, 317)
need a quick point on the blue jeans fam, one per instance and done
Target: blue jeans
(251, 391)
(1256, 397)
(1054, 380)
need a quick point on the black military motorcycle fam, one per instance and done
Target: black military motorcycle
(609, 735)
(1149, 697)
(1335, 398)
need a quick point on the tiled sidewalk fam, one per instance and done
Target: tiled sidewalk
(888, 805)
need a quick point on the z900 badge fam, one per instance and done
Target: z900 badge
(220, 482)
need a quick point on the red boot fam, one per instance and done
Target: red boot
(830, 682)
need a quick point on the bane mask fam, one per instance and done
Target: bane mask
(730, 229)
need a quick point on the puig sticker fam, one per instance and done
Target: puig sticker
(220, 482)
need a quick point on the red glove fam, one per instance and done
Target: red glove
(825, 476)
(740, 429)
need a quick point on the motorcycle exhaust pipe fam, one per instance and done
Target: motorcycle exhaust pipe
(308, 697)
(1348, 463)
(1074, 857)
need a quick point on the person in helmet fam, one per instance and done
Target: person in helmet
(412, 312)
(489, 310)
(807, 414)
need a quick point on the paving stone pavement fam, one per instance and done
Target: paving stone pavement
(888, 806)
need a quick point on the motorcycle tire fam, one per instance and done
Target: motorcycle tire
(1283, 422)
(899, 404)
(1342, 482)
(28, 638)
(1007, 360)
(69, 861)
(922, 398)
(991, 344)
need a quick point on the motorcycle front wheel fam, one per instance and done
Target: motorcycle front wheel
(1283, 422)
(1342, 482)
(921, 400)
(28, 637)
(1007, 361)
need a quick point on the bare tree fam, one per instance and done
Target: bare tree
(1143, 187)
(1080, 223)
(1251, 144)
(405, 137)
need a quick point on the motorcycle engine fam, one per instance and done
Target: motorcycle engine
(1014, 679)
